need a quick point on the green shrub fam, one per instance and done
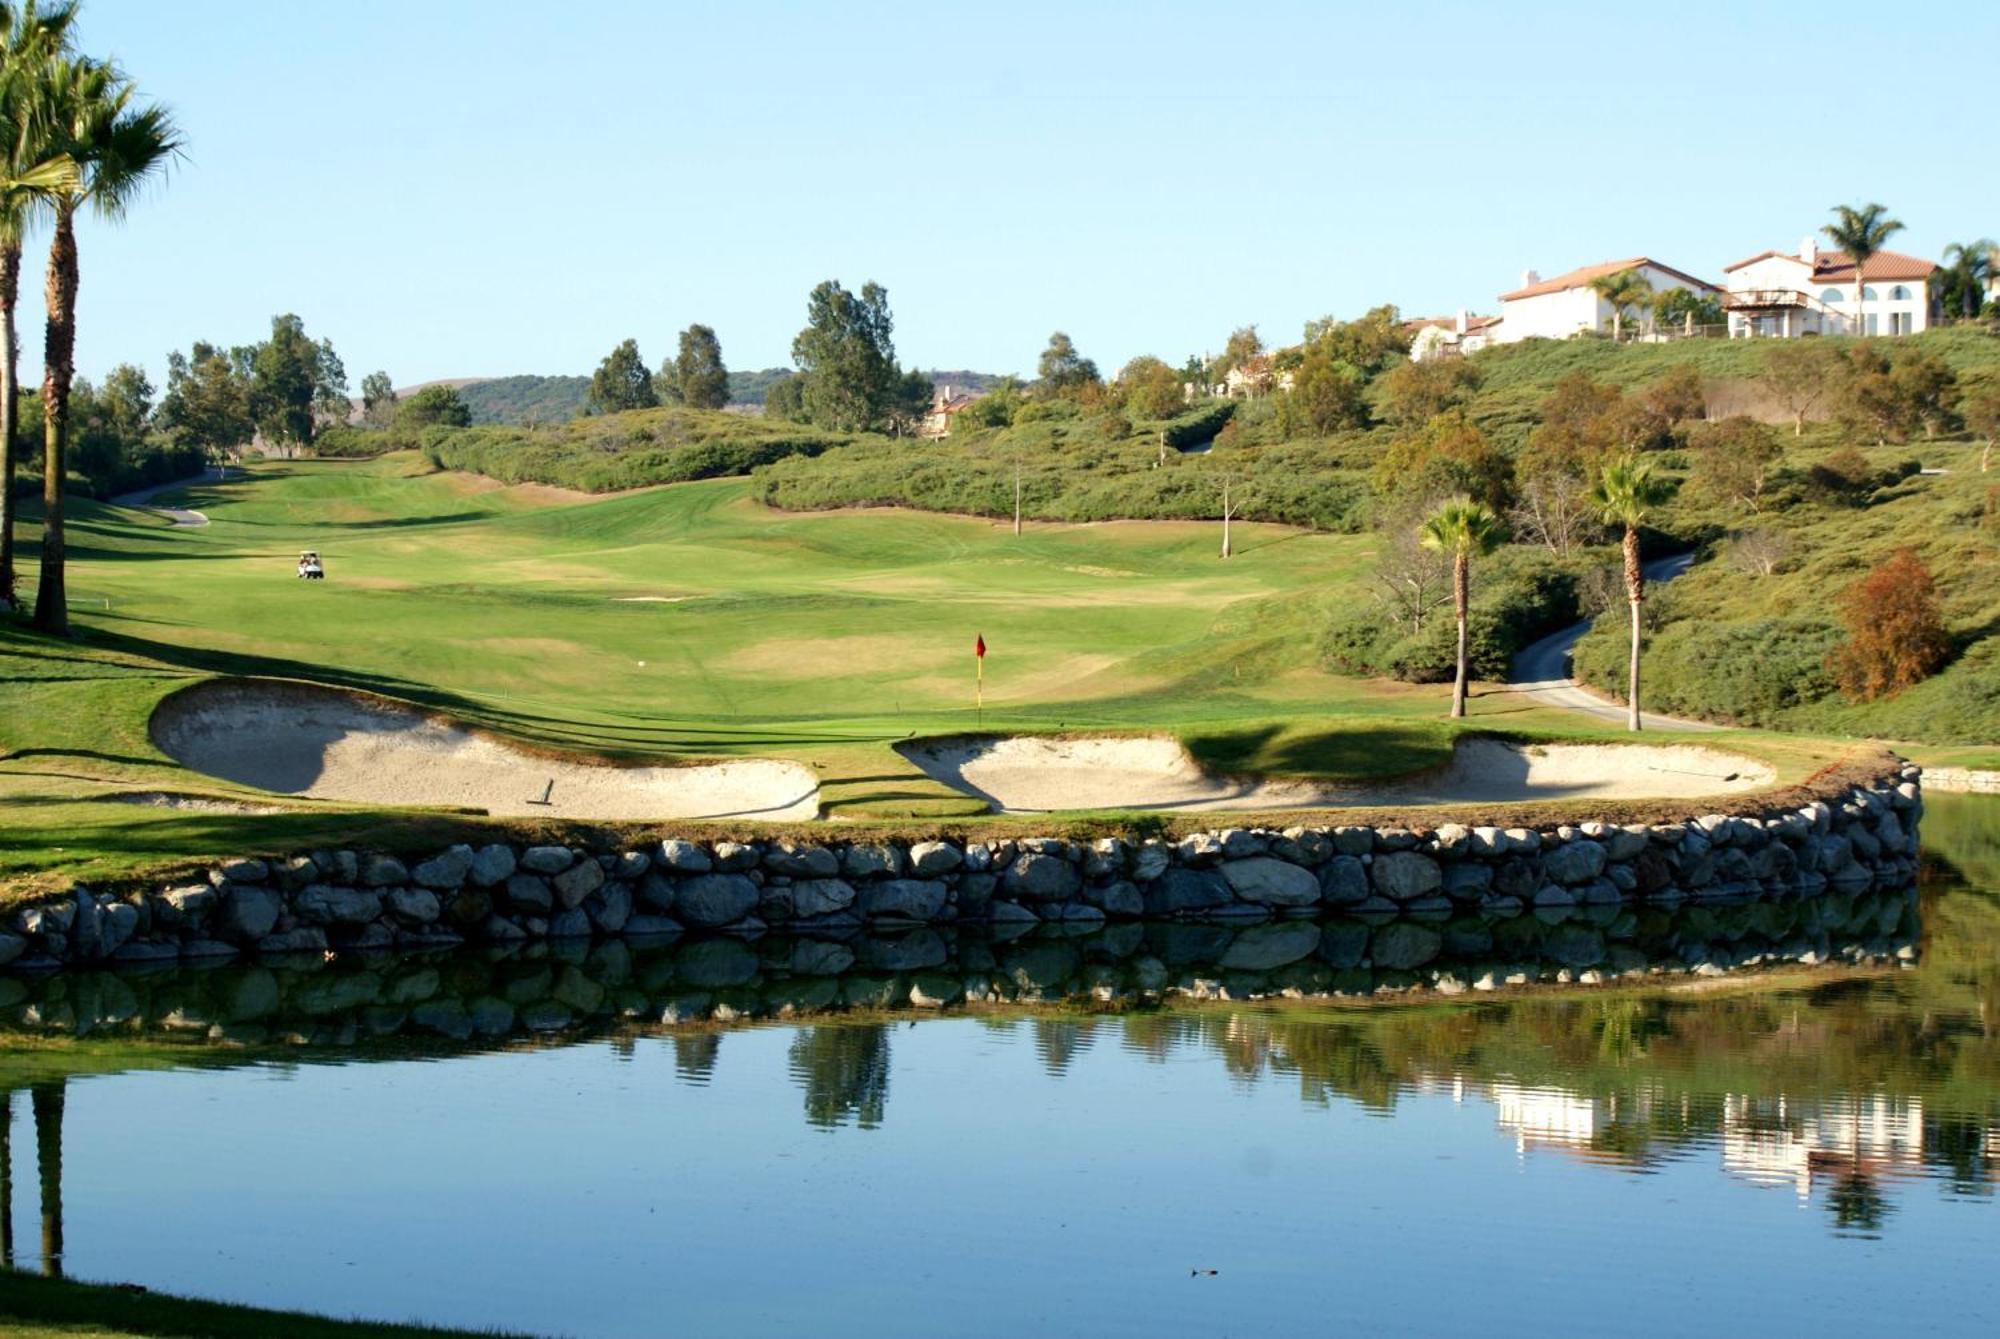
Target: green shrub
(1749, 672)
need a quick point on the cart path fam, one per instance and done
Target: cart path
(178, 515)
(1542, 670)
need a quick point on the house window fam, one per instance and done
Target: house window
(1899, 323)
(1870, 328)
(1899, 294)
(1868, 294)
(1831, 295)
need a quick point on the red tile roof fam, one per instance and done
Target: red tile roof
(1834, 267)
(1578, 278)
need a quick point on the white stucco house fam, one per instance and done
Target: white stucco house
(1567, 305)
(1777, 294)
(1442, 336)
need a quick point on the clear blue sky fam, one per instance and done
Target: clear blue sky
(481, 187)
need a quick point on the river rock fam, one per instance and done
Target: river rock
(821, 897)
(1042, 878)
(414, 906)
(1343, 881)
(1402, 875)
(903, 899)
(248, 911)
(324, 904)
(801, 861)
(1182, 891)
(530, 893)
(492, 865)
(684, 857)
(380, 871)
(1576, 861)
(1271, 882)
(576, 883)
(1150, 861)
(547, 859)
(447, 869)
(715, 899)
(930, 859)
(868, 860)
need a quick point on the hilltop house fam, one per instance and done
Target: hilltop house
(1567, 305)
(1442, 336)
(946, 402)
(1256, 376)
(1776, 295)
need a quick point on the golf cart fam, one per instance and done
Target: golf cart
(310, 568)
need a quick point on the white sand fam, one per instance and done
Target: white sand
(1037, 775)
(329, 746)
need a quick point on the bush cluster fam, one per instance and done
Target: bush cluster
(1518, 596)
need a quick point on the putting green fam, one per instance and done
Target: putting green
(686, 623)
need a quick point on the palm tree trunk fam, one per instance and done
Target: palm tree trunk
(10, 408)
(59, 365)
(1461, 601)
(1635, 591)
(1860, 300)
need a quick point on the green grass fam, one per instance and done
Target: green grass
(31, 1307)
(687, 620)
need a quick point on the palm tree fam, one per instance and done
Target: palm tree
(1624, 494)
(29, 37)
(116, 148)
(1970, 265)
(1624, 289)
(1860, 233)
(1462, 528)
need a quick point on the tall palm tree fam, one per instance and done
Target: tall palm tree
(1625, 289)
(117, 148)
(29, 38)
(1861, 233)
(1970, 265)
(1464, 529)
(1625, 493)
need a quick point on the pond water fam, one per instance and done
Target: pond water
(522, 1143)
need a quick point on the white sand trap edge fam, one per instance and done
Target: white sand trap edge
(1031, 774)
(327, 745)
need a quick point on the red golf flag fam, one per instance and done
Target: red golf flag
(979, 646)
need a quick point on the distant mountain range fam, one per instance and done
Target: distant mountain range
(533, 399)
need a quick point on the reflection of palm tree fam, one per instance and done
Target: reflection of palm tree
(844, 1070)
(694, 1055)
(1057, 1042)
(48, 1104)
(1858, 1204)
(7, 1178)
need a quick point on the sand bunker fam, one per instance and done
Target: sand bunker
(331, 746)
(1039, 775)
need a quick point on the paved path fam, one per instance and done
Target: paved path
(1542, 671)
(180, 516)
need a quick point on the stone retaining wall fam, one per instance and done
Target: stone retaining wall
(1962, 780)
(1860, 838)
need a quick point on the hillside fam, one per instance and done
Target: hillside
(605, 453)
(525, 399)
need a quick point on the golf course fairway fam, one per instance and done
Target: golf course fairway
(686, 626)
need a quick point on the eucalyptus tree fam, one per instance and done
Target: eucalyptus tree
(1625, 494)
(1861, 233)
(117, 146)
(30, 37)
(1623, 289)
(1463, 530)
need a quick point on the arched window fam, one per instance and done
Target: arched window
(1899, 294)
(1832, 295)
(1868, 294)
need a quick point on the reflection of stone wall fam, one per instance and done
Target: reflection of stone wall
(571, 986)
(501, 894)
(1962, 780)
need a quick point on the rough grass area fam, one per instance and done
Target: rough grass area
(605, 453)
(675, 623)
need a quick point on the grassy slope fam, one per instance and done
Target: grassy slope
(819, 637)
(31, 1307)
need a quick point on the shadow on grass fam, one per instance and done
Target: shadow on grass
(1377, 749)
